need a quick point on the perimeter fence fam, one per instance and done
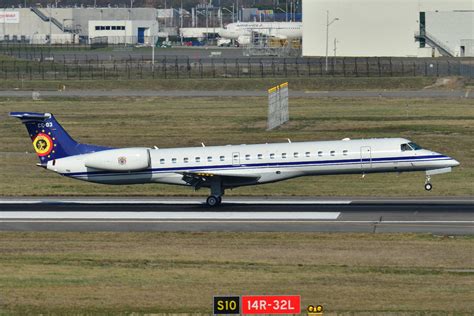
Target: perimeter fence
(183, 67)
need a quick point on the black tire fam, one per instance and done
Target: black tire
(220, 199)
(428, 186)
(212, 200)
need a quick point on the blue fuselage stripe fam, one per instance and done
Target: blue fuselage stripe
(264, 165)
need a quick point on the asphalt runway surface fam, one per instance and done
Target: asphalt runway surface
(468, 94)
(437, 216)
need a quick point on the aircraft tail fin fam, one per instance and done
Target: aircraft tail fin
(50, 140)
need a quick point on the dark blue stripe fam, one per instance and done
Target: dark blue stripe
(246, 166)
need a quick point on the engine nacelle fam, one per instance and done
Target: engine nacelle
(125, 159)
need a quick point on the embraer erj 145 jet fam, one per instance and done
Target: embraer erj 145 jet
(224, 167)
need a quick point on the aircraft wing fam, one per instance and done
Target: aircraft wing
(200, 179)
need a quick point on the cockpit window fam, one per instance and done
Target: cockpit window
(410, 146)
(415, 146)
(405, 147)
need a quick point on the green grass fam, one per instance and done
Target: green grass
(180, 272)
(446, 126)
(261, 84)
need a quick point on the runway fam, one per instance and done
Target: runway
(437, 216)
(244, 93)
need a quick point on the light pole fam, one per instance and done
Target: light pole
(153, 43)
(327, 36)
(232, 12)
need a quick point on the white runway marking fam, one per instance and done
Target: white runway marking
(177, 202)
(171, 215)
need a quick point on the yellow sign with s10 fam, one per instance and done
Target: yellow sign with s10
(226, 305)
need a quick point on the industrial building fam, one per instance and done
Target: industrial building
(404, 28)
(74, 25)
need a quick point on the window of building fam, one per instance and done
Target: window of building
(114, 27)
(186, 160)
(107, 28)
(259, 156)
(320, 153)
(283, 155)
(344, 152)
(162, 161)
(173, 160)
(307, 154)
(247, 157)
(102, 28)
(209, 159)
(296, 155)
(97, 27)
(123, 28)
(333, 153)
(222, 158)
(197, 159)
(272, 156)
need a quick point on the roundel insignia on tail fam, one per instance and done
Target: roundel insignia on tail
(43, 144)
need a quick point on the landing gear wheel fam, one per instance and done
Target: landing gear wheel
(428, 186)
(212, 200)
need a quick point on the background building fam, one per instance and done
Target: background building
(388, 27)
(73, 25)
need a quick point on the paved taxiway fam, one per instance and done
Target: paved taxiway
(439, 216)
(244, 93)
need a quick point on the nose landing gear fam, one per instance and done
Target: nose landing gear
(428, 185)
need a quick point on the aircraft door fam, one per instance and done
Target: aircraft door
(365, 158)
(236, 159)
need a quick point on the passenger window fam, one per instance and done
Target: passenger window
(283, 155)
(344, 152)
(247, 157)
(320, 153)
(308, 154)
(259, 156)
(198, 159)
(222, 158)
(186, 160)
(162, 161)
(296, 155)
(272, 156)
(405, 147)
(209, 159)
(333, 153)
(173, 160)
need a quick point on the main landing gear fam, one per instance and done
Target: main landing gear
(213, 200)
(428, 185)
(217, 191)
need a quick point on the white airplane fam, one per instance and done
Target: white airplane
(242, 31)
(224, 167)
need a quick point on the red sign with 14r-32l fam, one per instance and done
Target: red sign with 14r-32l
(271, 304)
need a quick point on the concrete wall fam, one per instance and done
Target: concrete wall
(368, 27)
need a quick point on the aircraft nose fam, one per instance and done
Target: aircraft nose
(455, 163)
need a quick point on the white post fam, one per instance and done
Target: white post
(181, 22)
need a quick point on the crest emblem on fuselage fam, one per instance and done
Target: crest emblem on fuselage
(43, 144)
(122, 160)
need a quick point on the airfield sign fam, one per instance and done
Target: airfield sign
(278, 112)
